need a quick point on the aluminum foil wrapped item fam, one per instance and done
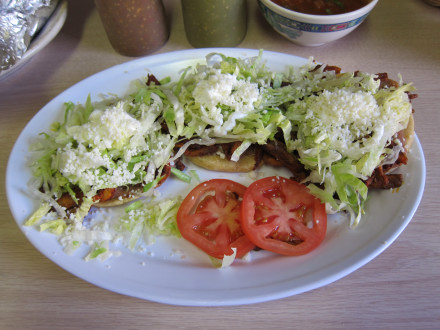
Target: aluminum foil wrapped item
(20, 21)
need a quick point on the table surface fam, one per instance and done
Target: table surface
(399, 288)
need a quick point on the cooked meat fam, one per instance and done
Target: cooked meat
(278, 151)
(380, 180)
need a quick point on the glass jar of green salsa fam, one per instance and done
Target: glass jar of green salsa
(215, 23)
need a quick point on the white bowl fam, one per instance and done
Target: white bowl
(312, 30)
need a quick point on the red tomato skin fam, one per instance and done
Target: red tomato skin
(312, 237)
(186, 219)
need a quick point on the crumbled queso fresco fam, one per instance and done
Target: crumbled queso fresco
(225, 89)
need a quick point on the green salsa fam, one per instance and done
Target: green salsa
(215, 23)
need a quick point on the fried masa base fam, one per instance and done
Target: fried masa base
(214, 162)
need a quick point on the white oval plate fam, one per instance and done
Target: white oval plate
(174, 272)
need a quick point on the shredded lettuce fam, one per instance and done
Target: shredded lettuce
(55, 226)
(343, 132)
(38, 214)
(112, 143)
(97, 250)
(226, 261)
(181, 175)
(148, 219)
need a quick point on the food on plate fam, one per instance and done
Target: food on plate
(340, 134)
(281, 216)
(102, 154)
(215, 158)
(209, 217)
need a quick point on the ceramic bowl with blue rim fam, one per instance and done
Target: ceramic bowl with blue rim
(312, 30)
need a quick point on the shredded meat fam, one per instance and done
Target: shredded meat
(195, 150)
(102, 195)
(229, 148)
(179, 164)
(336, 69)
(68, 202)
(380, 180)
(108, 194)
(386, 82)
(151, 79)
(278, 151)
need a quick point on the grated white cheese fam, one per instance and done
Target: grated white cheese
(344, 118)
(220, 90)
(102, 148)
(106, 129)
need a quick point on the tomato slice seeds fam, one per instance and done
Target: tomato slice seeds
(209, 217)
(273, 213)
(280, 215)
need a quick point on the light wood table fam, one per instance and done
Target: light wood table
(398, 289)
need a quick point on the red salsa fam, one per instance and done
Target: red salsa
(134, 27)
(322, 7)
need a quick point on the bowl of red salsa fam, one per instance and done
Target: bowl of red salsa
(315, 22)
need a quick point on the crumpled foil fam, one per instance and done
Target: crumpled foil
(20, 21)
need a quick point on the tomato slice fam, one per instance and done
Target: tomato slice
(280, 215)
(209, 218)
